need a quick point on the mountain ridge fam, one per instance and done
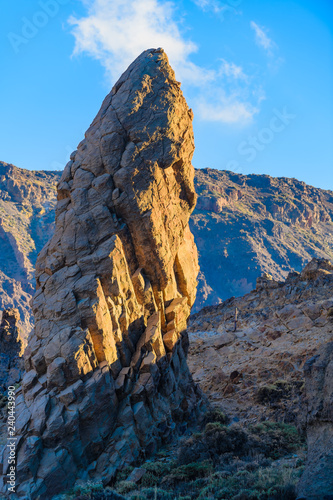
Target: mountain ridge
(244, 226)
(27, 204)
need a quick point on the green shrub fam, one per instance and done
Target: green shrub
(123, 474)
(87, 488)
(106, 494)
(276, 439)
(270, 483)
(156, 471)
(272, 393)
(221, 439)
(156, 494)
(158, 468)
(216, 415)
(125, 487)
(191, 472)
(216, 440)
(91, 491)
(150, 479)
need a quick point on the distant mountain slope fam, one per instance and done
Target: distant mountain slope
(27, 203)
(247, 225)
(243, 226)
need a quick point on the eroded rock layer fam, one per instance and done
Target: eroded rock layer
(106, 375)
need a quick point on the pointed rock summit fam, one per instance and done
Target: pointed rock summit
(106, 375)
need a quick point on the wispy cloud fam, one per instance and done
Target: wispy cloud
(218, 6)
(270, 47)
(226, 109)
(115, 32)
(231, 70)
(234, 98)
(262, 39)
(213, 5)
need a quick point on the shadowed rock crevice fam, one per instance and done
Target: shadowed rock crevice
(11, 349)
(106, 375)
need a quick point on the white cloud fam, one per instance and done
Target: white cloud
(217, 6)
(233, 102)
(226, 110)
(231, 70)
(233, 98)
(262, 39)
(115, 32)
(213, 5)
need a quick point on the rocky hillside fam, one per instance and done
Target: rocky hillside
(27, 203)
(243, 226)
(248, 225)
(267, 356)
(241, 349)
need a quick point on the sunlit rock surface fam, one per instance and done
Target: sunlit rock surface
(106, 375)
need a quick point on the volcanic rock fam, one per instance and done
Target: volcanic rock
(27, 203)
(106, 375)
(280, 325)
(248, 225)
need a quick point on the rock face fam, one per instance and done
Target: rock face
(247, 225)
(256, 371)
(317, 480)
(11, 349)
(244, 226)
(27, 203)
(106, 375)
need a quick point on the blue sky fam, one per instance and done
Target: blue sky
(258, 75)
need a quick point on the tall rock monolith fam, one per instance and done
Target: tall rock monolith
(106, 377)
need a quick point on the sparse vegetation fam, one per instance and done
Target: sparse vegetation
(222, 462)
(274, 392)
